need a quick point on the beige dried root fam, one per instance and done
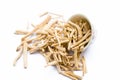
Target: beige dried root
(60, 42)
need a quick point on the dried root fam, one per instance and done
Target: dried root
(61, 43)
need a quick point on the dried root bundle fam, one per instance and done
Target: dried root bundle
(60, 42)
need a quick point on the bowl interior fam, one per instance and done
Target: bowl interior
(80, 20)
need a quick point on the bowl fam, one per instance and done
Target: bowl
(79, 19)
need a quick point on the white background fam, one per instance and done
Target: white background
(102, 56)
